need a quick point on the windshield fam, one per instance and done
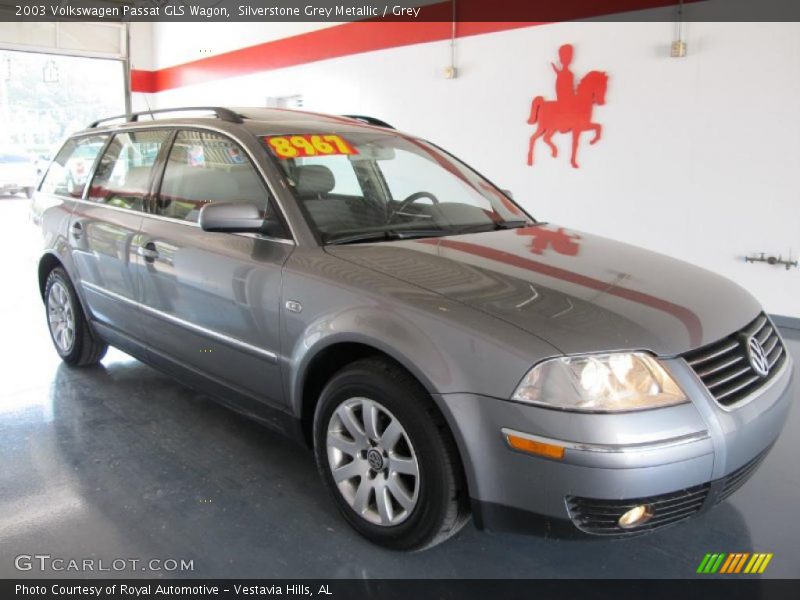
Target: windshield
(374, 186)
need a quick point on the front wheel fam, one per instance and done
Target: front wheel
(69, 329)
(388, 458)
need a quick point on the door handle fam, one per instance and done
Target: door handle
(77, 230)
(148, 252)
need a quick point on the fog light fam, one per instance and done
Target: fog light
(638, 515)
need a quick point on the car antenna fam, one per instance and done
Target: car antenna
(150, 110)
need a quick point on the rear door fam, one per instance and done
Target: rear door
(104, 226)
(211, 301)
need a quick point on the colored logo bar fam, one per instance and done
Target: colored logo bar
(733, 563)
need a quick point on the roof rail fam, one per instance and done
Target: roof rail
(369, 121)
(225, 114)
(96, 123)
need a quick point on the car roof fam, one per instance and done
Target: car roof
(260, 121)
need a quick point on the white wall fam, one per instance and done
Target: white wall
(699, 157)
(142, 46)
(175, 43)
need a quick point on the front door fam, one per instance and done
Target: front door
(211, 301)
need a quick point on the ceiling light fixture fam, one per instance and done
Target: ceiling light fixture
(678, 47)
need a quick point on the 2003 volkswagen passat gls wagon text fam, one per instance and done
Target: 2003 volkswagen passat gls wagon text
(443, 353)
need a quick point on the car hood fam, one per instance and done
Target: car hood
(578, 292)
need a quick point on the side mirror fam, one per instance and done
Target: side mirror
(236, 217)
(508, 193)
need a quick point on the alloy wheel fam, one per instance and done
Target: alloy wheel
(61, 317)
(372, 461)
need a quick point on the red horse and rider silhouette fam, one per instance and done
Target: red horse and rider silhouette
(572, 108)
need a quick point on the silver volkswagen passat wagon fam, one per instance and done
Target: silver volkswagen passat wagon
(443, 352)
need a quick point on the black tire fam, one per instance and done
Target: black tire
(441, 508)
(85, 349)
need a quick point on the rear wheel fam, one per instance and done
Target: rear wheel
(69, 329)
(388, 458)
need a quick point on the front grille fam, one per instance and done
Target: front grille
(600, 517)
(724, 366)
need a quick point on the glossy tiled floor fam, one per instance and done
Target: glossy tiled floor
(120, 462)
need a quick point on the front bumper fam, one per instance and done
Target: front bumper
(680, 460)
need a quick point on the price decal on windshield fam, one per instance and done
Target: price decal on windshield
(298, 146)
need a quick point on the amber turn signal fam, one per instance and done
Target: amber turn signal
(533, 447)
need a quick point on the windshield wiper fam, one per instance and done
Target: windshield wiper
(494, 226)
(409, 234)
(511, 224)
(386, 235)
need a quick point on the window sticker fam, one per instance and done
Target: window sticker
(236, 156)
(298, 146)
(197, 157)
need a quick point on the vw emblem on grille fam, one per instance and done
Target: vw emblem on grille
(757, 357)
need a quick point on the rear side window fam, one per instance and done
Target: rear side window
(123, 174)
(202, 168)
(69, 171)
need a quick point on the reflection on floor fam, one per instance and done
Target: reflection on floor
(119, 461)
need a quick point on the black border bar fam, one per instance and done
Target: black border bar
(703, 587)
(528, 11)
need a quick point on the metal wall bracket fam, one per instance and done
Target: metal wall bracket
(772, 260)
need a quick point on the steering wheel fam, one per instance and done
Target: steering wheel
(410, 200)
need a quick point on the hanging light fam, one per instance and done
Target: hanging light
(678, 47)
(5, 69)
(50, 72)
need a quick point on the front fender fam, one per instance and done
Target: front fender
(369, 327)
(448, 346)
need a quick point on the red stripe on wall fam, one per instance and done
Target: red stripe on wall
(332, 42)
(368, 36)
(689, 319)
(144, 81)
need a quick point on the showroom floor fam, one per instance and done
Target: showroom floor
(119, 461)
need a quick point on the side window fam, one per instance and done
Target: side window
(123, 175)
(204, 167)
(71, 167)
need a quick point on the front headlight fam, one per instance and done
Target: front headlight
(603, 382)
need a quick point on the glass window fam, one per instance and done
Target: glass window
(380, 186)
(412, 172)
(41, 115)
(205, 167)
(67, 174)
(123, 174)
(345, 180)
